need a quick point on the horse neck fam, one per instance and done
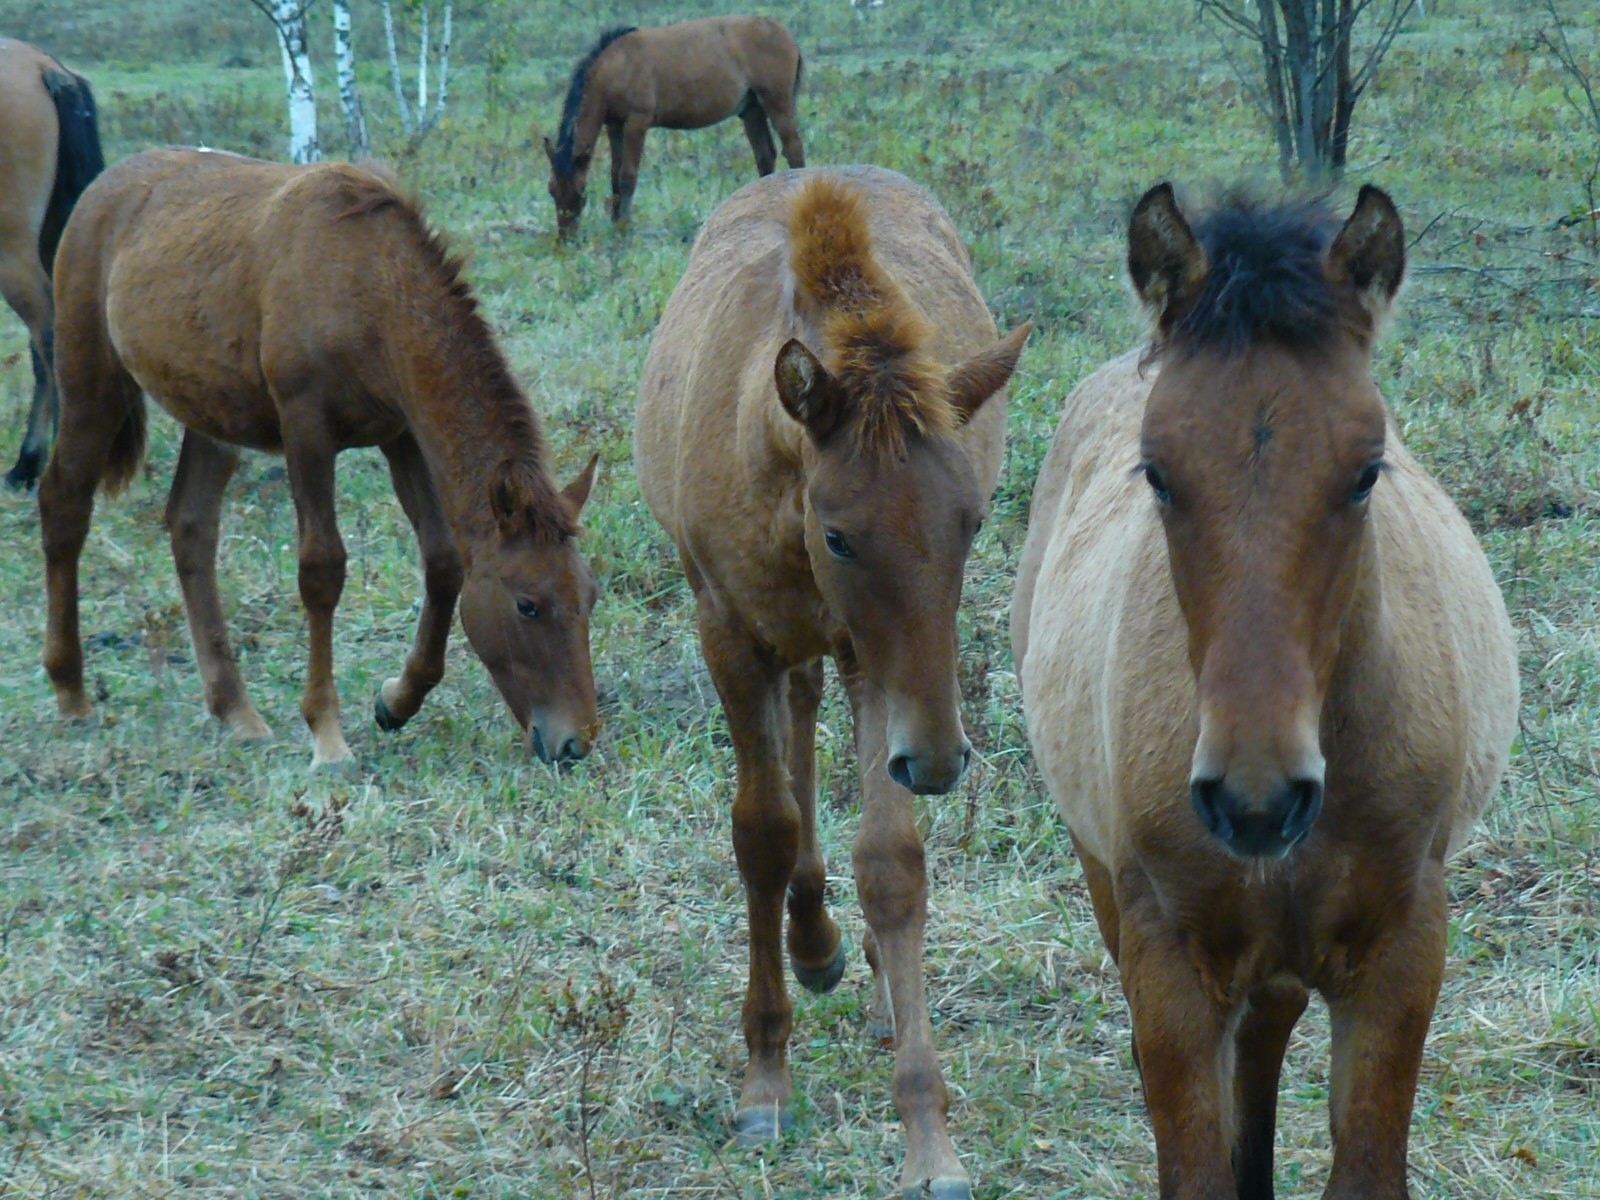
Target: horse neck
(467, 422)
(591, 114)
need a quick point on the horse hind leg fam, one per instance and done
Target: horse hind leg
(816, 949)
(1259, 1046)
(779, 109)
(26, 289)
(101, 427)
(400, 698)
(756, 129)
(194, 510)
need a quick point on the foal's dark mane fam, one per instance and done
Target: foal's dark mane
(569, 109)
(1265, 281)
(476, 355)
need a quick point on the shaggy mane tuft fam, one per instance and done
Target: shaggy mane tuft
(874, 339)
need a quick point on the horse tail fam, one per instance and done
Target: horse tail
(78, 155)
(799, 70)
(127, 448)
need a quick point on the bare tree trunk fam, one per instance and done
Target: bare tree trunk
(289, 16)
(344, 54)
(1311, 90)
(422, 70)
(394, 69)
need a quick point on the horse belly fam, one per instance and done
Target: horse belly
(214, 388)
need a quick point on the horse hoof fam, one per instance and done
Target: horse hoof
(759, 1126)
(938, 1189)
(386, 720)
(822, 979)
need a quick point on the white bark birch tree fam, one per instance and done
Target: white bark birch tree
(344, 57)
(288, 19)
(418, 125)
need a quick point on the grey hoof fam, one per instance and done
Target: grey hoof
(822, 979)
(386, 720)
(759, 1126)
(938, 1189)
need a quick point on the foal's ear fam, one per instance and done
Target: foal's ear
(1165, 262)
(506, 498)
(809, 394)
(576, 493)
(549, 149)
(985, 373)
(1369, 254)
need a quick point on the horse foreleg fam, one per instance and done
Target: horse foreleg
(322, 561)
(626, 177)
(1182, 1033)
(1262, 1038)
(755, 128)
(26, 288)
(194, 509)
(1379, 1026)
(400, 698)
(780, 111)
(816, 950)
(766, 838)
(891, 880)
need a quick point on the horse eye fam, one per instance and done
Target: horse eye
(1158, 485)
(527, 608)
(1364, 485)
(837, 546)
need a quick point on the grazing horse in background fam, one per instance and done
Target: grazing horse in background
(1270, 682)
(49, 151)
(304, 310)
(821, 421)
(683, 76)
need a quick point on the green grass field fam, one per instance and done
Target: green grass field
(453, 972)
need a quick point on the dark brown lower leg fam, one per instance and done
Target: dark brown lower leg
(322, 561)
(26, 288)
(400, 698)
(816, 950)
(194, 509)
(766, 837)
(1379, 1029)
(1259, 1045)
(760, 135)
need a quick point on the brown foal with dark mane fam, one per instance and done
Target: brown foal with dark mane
(49, 151)
(305, 310)
(683, 76)
(1270, 682)
(821, 421)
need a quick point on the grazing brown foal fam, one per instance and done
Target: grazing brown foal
(305, 310)
(1270, 682)
(683, 76)
(822, 471)
(49, 151)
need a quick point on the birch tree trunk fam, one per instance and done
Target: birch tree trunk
(394, 68)
(290, 18)
(422, 70)
(344, 56)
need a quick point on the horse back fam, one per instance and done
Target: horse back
(696, 73)
(272, 281)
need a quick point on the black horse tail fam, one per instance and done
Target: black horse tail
(799, 70)
(78, 155)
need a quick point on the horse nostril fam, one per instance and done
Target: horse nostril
(1304, 803)
(966, 759)
(571, 750)
(1207, 797)
(900, 770)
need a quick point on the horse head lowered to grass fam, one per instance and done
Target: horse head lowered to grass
(304, 310)
(1269, 680)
